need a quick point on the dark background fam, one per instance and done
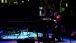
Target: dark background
(28, 9)
(31, 10)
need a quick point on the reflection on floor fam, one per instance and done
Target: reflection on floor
(8, 41)
(33, 34)
(22, 35)
(65, 42)
(65, 39)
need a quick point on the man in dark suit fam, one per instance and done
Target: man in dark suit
(57, 30)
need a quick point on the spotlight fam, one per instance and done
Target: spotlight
(28, 0)
(22, 1)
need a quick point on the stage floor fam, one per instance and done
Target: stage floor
(22, 35)
(33, 34)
